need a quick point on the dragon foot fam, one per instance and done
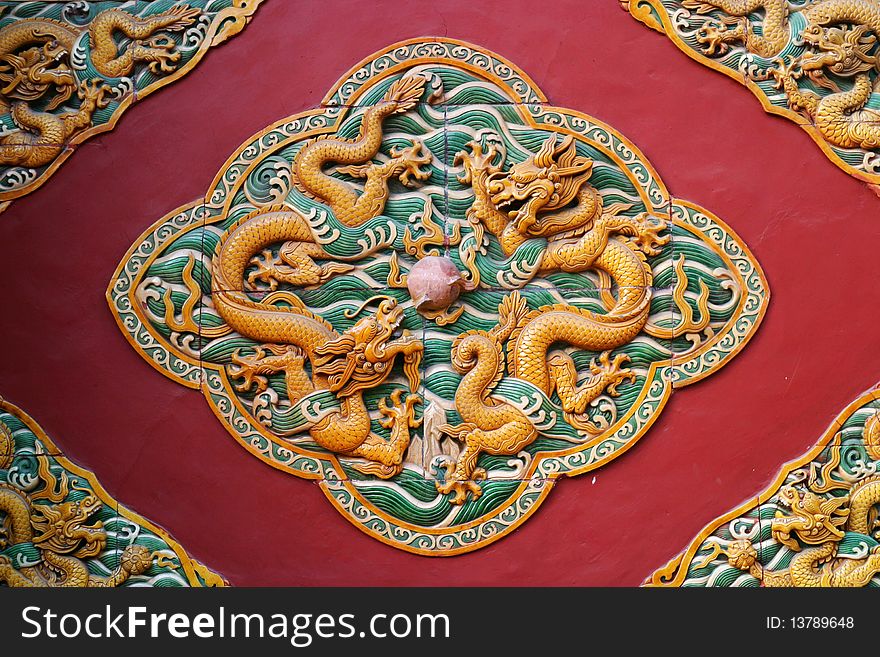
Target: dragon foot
(162, 42)
(252, 369)
(716, 39)
(477, 161)
(400, 412)
(293, 265)
(461, 487)
(385, 458)
(785, 70)
(462, 476)
(158, 51)
(94, 90)
(606, 375)
(408, 161)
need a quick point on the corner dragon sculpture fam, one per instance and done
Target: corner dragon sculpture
(737, 29)
(59, 529)
(44, 134)
(841, 117)
(841, 37)
(819, 523)
(35, 59)
(361, 357)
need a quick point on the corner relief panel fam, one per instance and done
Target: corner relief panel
(59, 527)
(815, 62)
(436, 294)
(68, 70)
(817, 524)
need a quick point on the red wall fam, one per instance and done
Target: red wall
(156, 446)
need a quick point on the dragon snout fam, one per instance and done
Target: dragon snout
(495, 186)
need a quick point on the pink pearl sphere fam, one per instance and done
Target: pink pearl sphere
(434, 283)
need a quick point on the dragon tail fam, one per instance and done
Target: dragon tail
(179, 17)
(405, 92)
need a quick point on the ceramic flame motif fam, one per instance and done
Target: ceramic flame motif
(436, 294)
(815, 62)
(818, 524)
(69, 70)
(60, 528)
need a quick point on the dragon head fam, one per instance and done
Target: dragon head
(814, 520)
(62, 528)
(843, 51)
(363, 356)
(29, 74)
(545, 181)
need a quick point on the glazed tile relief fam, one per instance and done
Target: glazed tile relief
(815, 62)
(59, 527)
(817, 524)
(68, 70)
(436, 294)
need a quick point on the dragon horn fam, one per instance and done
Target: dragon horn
(544, 156)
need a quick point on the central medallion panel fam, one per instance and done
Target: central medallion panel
(436, 294)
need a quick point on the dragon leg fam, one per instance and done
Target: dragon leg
(404, 164)
(284, 358)
(157, 52)
(295, 264)
(462, 475)
(386, 457)
(716, 39)
(606, 374)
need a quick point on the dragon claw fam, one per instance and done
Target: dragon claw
(95, 90)
(162, 42)
(612, 372)
(409, 162)
(399, 411)
(648, 237)
(784, 69)
(710, 37)
(265, 272)
(716, 39)
(478, 160)
(458, 487)
(245, 367)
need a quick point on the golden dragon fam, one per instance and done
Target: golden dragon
(534, 199)
(23, 38)
(59, 530)
(363, 356)
(841, 117)
(736, 28)
(44, 134)
(35, 58)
